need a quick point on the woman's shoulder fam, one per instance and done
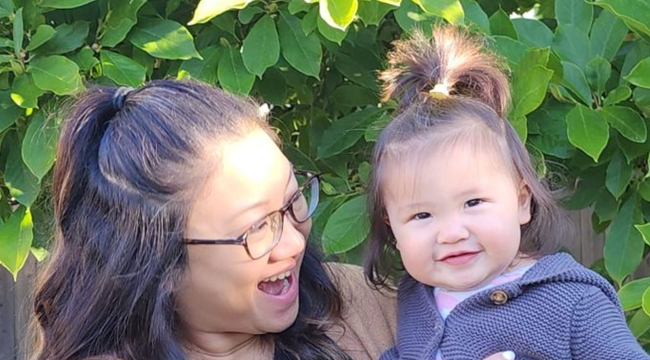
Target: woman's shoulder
(369, 314)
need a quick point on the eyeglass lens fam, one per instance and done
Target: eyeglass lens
(265, 234)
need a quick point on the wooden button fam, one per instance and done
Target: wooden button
(499, 297)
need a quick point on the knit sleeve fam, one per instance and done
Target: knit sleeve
(599, 330)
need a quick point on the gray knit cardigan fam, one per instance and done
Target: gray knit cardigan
(557, 310)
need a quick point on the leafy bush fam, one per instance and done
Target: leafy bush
(580, 81)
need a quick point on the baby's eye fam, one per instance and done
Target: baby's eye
(473, 202)
(421, 216)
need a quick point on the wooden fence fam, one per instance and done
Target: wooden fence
(15, 303)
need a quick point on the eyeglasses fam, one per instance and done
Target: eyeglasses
(260, 238)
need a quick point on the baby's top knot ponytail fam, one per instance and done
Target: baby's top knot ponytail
(450, 63)
(119, 97)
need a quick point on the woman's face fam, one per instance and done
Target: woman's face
(223, 289)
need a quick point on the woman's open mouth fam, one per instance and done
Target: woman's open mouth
(276, 285)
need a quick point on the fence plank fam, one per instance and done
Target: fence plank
(7, 319)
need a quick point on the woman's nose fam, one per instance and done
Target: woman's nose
(291, 243)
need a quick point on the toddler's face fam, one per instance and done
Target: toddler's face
(457, 216)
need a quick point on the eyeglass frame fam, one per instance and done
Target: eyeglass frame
(286, 208)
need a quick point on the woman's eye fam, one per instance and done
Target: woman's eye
(421, 216)
(473, 202)
(260, 226)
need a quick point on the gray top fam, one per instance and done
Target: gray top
(557, 310)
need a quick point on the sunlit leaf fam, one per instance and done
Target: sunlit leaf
(15, 240)
(208, 9)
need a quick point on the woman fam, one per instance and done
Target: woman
(181, 234)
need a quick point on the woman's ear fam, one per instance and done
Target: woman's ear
(525, 200)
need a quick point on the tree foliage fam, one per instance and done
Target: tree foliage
(580, 81)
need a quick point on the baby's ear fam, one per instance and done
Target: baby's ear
(386, 219)
(525, 199)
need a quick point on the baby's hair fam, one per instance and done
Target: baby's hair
(452, 59)
(450, 89)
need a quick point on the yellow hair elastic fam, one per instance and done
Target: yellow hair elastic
(440, 90)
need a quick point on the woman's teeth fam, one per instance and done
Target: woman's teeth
(281, 276)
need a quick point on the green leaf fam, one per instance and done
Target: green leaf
(43, 34)
(24, 92)
(310, 21)
(338, 13)
(575, 80)
(645, 232)
(232, 73)
(121, 18)
(39, 144)
(410, 16)
(607, 35)
(121, 69)
(533, 32)
(623, 243)
(204, 69)
(22, 184)
(9, 112)
(68, 37)
(302, 51)
(500, 24)
(619, 174)
(273, 87)
(345, 132)
(636, 13)
(164, 39)
(587, 130)
(529, 89)
(640, 74)
(645, 301)
(208, 9)
(247, 14)
(347, 227)
(619, 94)
(57, 74)
(85, 59)
(330, 33)
(354, 70)
(597, 72)
(371, 12)
(520, 124)
(606, 206)
(450, 10)
(391, 2)
(261, 48)
(64, 4)
(631, 150)
(375, 128)
(346, 97)
(474, 14)
(639, 324)
(627, 122)
(571, 44)
(15, 240)
(18, 32)
(297, 6)
(574, 12)
(631, 293)
(510, 49)
(553, 129)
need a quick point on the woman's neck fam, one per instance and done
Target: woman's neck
(224, 346)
